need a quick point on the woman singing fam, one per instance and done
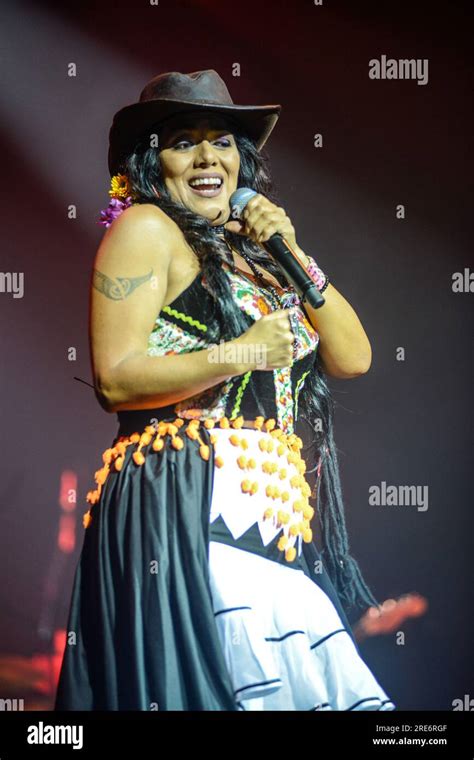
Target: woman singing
(199, 585)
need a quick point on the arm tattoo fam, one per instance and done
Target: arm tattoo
(118, 288)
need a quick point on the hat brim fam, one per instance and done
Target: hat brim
(130, 124)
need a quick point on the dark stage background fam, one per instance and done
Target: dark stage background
(385, 142)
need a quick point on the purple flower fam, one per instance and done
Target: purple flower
(113, 210)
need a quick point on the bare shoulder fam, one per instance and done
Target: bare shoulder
(144, 213)
(139, 221)
(140, 239)
(147, 229)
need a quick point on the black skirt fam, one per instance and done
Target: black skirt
(141, 631)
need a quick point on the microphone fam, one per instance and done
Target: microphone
(284, 256)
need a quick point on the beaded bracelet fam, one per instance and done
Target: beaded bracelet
(321, 280)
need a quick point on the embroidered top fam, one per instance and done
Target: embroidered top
(181, 327)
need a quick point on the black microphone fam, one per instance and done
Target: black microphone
(277, 247)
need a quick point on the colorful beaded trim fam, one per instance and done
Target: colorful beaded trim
(289, 445)
(321, 280)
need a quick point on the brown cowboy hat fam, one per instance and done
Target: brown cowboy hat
(168, 94)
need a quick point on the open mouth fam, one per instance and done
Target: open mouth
(206, 187)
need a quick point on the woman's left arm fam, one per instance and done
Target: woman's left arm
(344, 346)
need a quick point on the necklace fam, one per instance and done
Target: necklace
(271, 290)
(268, 287)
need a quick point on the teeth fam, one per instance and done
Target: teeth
(205, 181)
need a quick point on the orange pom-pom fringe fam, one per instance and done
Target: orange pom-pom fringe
(153, 439)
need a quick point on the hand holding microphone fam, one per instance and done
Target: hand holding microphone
(260, 219)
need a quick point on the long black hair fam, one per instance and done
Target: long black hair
(143, 169)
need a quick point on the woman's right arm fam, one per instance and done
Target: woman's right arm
(128, 289)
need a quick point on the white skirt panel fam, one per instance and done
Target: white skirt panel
(242, 510)
(284, 643)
